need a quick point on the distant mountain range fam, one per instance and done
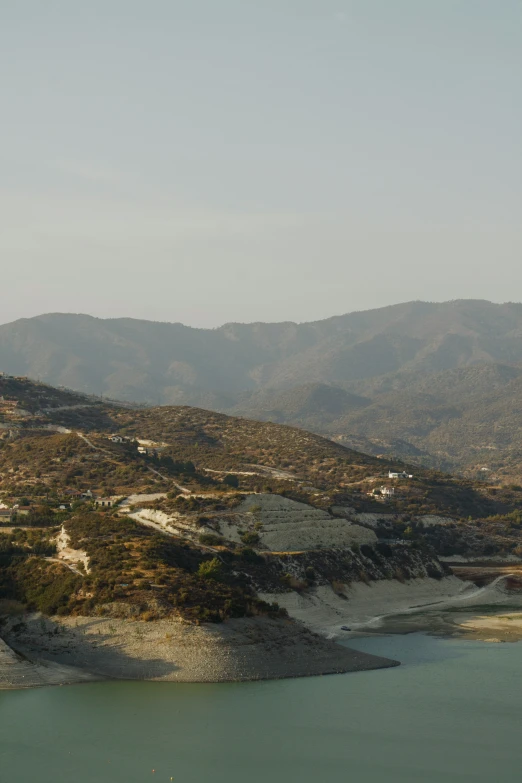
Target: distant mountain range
(440, 383)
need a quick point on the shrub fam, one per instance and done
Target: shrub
(250, 538)
(210, 539)
(292, 583)
(210, 569)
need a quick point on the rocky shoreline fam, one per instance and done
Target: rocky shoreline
(66, 650)
(17, 671)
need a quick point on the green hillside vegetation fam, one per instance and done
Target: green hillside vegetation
(133, 572)
(198, 467)
(458, 420)
(202, 451)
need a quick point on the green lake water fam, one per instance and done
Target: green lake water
(452, 712)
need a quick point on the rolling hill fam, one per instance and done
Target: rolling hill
(125, 533)
(436, 383)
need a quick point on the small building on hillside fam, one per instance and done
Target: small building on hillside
(380, 493)
(108, 502)
(387, 491)
(119, 438)
(399, 475)
(73, 493)
(8, 406)
(6, 516)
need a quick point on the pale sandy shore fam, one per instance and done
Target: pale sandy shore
(65, 650)
(505, 627)
(363, 606)
(392, 606)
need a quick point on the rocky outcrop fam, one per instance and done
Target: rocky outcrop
(328, 589)
(273, 572)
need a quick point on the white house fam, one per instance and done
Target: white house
(106, 502)
(402, 475)
(387, 491)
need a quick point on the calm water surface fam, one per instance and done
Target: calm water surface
(452, 712)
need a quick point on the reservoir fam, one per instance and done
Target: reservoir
(451, 712)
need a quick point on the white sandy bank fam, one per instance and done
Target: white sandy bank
(365, 606)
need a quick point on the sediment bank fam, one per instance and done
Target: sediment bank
(365, 607)
(16, 671)
(64, 650)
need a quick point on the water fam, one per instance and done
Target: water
(452, 712)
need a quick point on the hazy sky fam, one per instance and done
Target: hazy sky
(207, 161)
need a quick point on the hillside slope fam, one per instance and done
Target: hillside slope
(437, 383)
(467, 419)
(113, 518)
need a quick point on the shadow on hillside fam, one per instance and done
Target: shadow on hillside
(101, 652)
(87, 419)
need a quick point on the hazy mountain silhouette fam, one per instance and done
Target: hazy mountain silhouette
(405, 373)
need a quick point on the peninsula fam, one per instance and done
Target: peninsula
(174, 543)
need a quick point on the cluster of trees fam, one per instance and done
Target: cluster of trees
(171, 465)
(131, 564)
(28, 579)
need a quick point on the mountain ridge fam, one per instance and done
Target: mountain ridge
(342, 348)
(420, 352)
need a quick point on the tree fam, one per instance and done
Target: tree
(210, 569)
